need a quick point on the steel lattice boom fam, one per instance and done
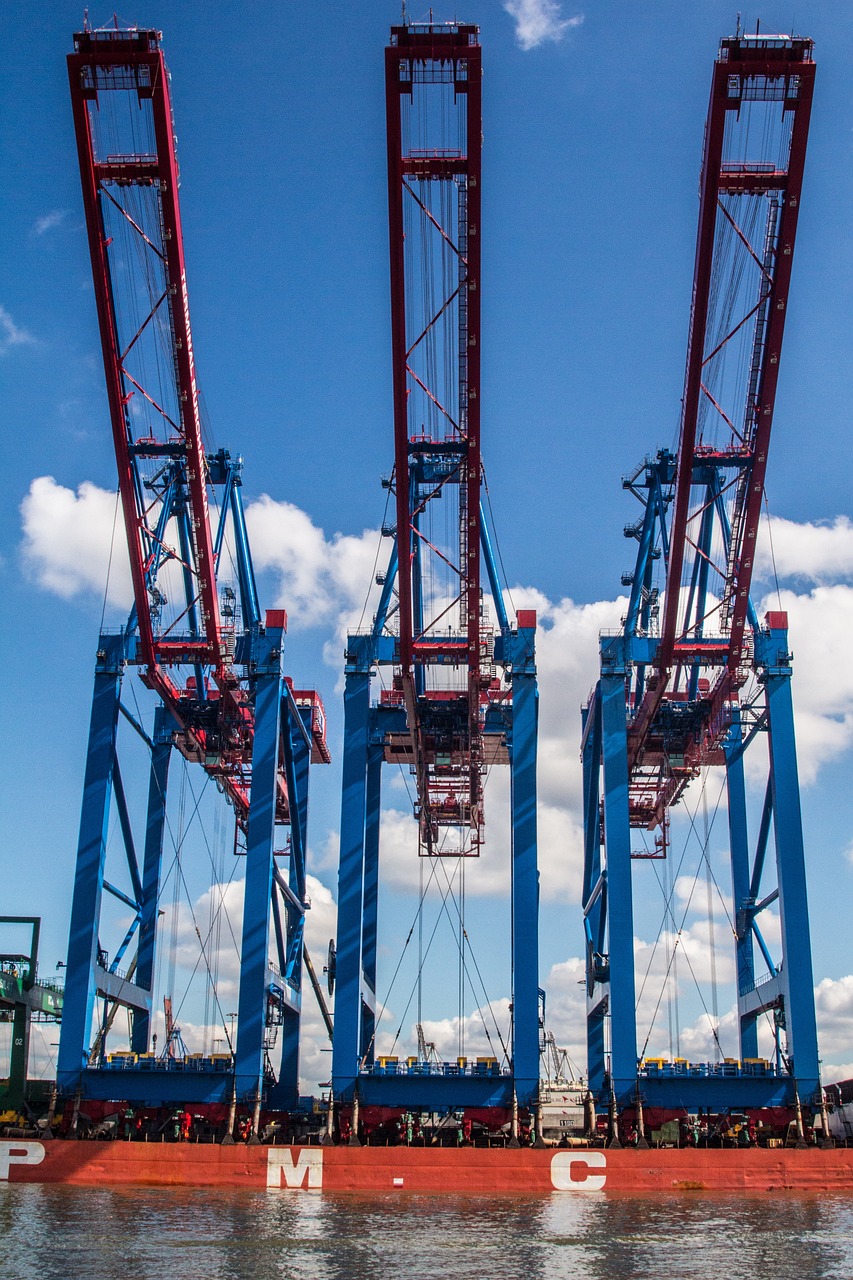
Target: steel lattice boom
(752, 174)
(129, 171)
(433, 95)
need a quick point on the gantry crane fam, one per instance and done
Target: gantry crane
(694, 676)
(444, 712)
(201, 644)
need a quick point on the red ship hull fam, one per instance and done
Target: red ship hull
(466, 1171)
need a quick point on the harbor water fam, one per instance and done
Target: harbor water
(55, 1232)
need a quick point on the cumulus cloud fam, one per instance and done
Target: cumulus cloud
(819, 624)
(539, 21)
(565, 1007)
(477, 1033)
(319, 577)
(67, 540)
(834, 1006)
(567, 669)
(834, 1001)
(320, 580)
(11, 334)
(819, 551)
(702, 1039)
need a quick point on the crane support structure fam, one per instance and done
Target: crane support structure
(201, 644)
(694, 677)
(444, 714)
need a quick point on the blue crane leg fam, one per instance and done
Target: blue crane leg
(287, 1091)
(623, 1020)
(346, 1047)
(791, 870)
(251, 1008)
(154, 832)
(89, 875)
(525, 874)
(371, 892)
(739, 850)
(595, 918)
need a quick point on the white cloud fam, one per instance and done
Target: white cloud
(67, 538)
(566, 1018)
(49, 221)
(560, 837)
(834, 1007)
(482, 1032)
(538, 21)
(819, 623)
(319, 577)
(11, 334)
(834, 1001)
(567, 668)
(565, 1008)
(320, 926)
(820, 551)
(321, 581)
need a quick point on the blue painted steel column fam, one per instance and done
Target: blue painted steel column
(89, 875)
(287, 1090)
(739, 849)
(251, 1008)
(375, 757)
(525, 874)
(346, 1047)
(155, 828)
(617, 831)
(595, 918)
(790, 864)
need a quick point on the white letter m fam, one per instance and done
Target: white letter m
(284, 1171)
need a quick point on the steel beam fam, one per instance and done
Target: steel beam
(155, 829)
(739, 856)
(790, 864)
(347, 1046)
(525, 873)
(269, 692)
(89, 874)
(620, 931)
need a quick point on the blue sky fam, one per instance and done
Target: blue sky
(592, 143)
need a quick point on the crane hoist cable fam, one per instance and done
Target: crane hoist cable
(679, 927)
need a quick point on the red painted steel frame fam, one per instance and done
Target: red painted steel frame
(741, 60)
(436, 45)
(138, 49)
(412, 46)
